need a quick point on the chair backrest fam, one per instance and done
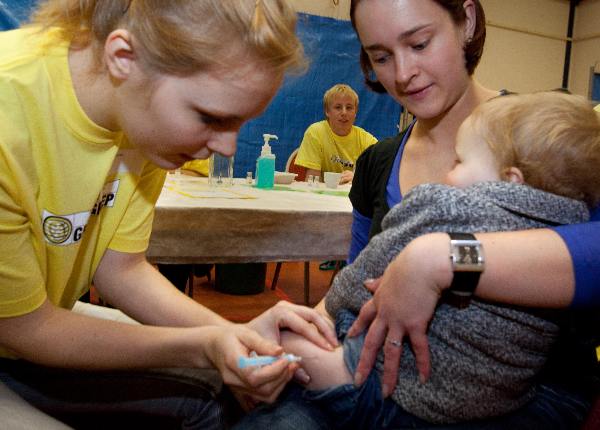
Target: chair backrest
(292, 167)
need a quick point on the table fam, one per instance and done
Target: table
(195, 223)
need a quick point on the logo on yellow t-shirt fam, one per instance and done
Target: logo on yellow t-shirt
(107, 197)
(64, 229)
(57, 229)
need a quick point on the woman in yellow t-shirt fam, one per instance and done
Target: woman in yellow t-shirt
(97, 100)
(334, 144)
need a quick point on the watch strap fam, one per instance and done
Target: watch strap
(457, 294)
(461, 236)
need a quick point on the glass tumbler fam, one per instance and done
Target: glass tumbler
(220, 170)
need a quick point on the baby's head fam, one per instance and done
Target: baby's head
(548, 140)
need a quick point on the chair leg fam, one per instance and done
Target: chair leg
(190, 282)
(202, 270)
(276, 275)
(338, 266)
(306, 282)
(177, 274)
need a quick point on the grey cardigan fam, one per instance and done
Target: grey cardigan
(484, 357)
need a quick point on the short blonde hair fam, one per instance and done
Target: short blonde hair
(181, 37)
(552, 137)
(339, 89)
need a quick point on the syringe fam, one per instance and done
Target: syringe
(263, 360)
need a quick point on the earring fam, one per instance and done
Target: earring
(469, 40)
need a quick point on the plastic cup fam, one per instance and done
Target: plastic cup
(332, 179)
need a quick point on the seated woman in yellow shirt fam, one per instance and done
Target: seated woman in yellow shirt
(334, 144)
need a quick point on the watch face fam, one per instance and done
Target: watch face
(467, 256)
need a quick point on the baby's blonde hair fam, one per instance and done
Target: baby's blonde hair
(181, 37)
(552, 137)
(339, 89)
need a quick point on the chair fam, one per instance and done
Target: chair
(292, 167)
(182, 275)
(306, 279)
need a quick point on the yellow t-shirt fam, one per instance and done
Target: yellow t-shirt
(323, 150)
(69, 189)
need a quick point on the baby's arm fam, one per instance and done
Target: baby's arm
(326, 368)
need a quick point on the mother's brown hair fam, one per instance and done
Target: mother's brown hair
(473, 48)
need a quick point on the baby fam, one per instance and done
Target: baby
(523, 161)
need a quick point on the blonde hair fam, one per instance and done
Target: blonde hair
(339, 89)
(181, 37)
(552, 137)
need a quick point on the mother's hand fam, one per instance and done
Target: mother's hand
(403, 303)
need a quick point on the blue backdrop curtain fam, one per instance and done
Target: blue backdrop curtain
(14, 11)
(7, 19)
(333, 50)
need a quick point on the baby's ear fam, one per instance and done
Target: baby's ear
(514, 175)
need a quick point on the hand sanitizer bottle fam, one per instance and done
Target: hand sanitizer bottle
(265, 164)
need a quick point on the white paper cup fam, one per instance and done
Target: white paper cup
(332, 179)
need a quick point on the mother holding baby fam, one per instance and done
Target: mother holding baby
(423, 53)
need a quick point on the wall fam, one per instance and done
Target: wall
(586, 48)
(339, 9)
(525, 46)
(512, 59)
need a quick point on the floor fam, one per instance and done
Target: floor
(290, 286)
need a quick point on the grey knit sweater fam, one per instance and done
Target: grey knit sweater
(483, 357)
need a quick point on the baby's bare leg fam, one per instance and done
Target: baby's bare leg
(326, 368)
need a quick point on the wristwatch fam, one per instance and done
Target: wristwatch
(466, 257)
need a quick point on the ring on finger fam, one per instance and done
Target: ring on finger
(395, 343)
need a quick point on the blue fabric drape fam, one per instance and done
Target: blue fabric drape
(7, 19)
(333, 50)
(14, 11)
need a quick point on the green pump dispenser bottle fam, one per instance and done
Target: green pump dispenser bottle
(265, 164)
